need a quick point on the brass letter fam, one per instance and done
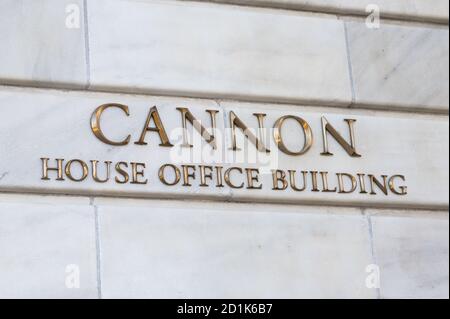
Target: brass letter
(315, 187)
(279, 138)
(162, 177)
(325, 183)
(349, 148)
(188, 175)
(382, 187)
(342, 185)
(204, 175)
(95, 171)
(122, 172)
(252, 178)
(279, 176)
(137, 173)
(95, 123)
(219, 176)
(159, 128)
(228, 179)
(45, 169)
(84, 167)
(362, 183)
(236, 122)
(294, 184)
(186, 115)
(403, 189)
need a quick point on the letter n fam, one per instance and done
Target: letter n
(350, 148)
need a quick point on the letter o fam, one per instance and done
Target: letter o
(279, 138)
(84, 167)
(162, 177)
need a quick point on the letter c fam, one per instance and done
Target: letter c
(95, 123)
(228, 178)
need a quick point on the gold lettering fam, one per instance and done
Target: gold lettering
(293, 182)
(186, 116)
(122, 172)
(277, 177)
(252, 178)
(228, 178)
(95, 171)
(362, 183)
(279, 138)
(349, 148)
(403, 190)
(96, 128)
(137, 170)
(341, 183)
(187, 175)
(159, 128)
(219, 176)
(261, 131)
(235, 122)
(84, 168)
(204, 176)
(315, 187)
(382, 187)
(162, 177)
(46, 168)
(325, 183)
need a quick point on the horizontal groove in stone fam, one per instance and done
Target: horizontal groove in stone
(94, 200)
(310, 6)
(121, 196)
(401, 109)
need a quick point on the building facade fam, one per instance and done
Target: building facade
(224, 149)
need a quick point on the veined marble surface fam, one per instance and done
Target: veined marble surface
(412, 252)
(48, 247)
(56, 124)
(400, 66)
(128, 248)
(43, 43)
(198, 49)
(157, 249)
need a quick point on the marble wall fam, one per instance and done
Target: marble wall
(310, 59)
(128, 248)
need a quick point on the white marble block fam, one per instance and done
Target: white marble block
(400, 66)
(43, 43)
(48, 248)
(198, 49)
(389, 143)
(162, 249)
(413, 252)
(36, 124)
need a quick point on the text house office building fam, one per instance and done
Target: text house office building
(224, 149)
